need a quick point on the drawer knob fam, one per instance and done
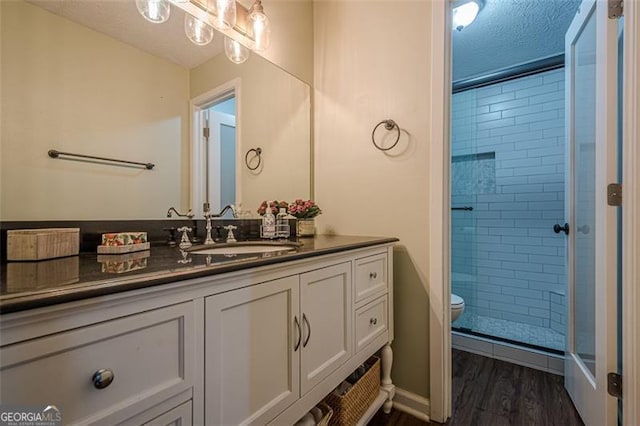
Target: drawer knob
(373, 275)
(373, 321)
(102, 378)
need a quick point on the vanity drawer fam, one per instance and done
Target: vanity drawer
(179, 416)
(371, 321)
(151, 356)
(371, 276)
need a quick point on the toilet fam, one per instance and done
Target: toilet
(457, 306)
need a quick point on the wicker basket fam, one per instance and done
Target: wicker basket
(349, 408)
(327, 413)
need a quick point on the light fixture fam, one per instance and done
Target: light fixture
(199, 32)
(156, 11)
(252, 27)
(236, 52)
(465, 12)
(224, 14)
(259, 27)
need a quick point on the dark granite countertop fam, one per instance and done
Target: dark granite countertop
(28, 285)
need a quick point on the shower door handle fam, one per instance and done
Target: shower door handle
(557, 228)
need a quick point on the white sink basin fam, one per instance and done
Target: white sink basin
(245, 248)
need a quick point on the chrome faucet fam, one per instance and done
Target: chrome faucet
(189, 214)
(208, 215)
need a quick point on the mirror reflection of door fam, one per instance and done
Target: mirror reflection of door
(222, 153)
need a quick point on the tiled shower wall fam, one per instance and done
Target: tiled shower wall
(508, 164)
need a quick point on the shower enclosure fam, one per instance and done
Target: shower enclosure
(507, 193)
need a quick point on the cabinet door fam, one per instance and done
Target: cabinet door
(325, 300)
(251, 360)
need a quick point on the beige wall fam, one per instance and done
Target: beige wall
(274, 115)
(73, 89)
(372, 63)
(291, 36)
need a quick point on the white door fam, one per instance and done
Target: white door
(591, 91)
(252, 347)
(222, 160)
(325, 303)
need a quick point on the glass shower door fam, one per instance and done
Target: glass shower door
(466, 184)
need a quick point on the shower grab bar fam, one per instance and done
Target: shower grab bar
(465, 208)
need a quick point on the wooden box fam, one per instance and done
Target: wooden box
(40, 244)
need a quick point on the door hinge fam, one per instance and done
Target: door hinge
(614, 385)
(616, 9)
(205, 132)
(614, 194)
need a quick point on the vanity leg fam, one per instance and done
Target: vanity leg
(385, 382)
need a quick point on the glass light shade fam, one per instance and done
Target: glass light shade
(259, 28)
(465, 14)
(236, 52)
(156, 11)
(197, 31)
(224, 13)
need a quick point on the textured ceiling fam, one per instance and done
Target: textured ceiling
(510, 32)
(506, 32)
(120, 19)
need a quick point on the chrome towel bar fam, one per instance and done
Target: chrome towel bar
(55, 154)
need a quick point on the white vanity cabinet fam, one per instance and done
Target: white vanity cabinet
(268, 344)
(254, 346)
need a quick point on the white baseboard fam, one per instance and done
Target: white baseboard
(412, 404)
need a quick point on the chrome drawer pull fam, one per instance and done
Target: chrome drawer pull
(373, 321)
(305, 320)
(102, 378)
(373, 275)
(299, 334)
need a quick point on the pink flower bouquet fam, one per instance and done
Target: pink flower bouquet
(304, 209)
(274, 205)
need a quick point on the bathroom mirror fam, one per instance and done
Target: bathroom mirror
(95, 78)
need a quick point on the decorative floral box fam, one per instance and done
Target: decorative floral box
(123, 242)
(124, 238)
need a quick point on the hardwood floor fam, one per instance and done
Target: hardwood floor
(490, 392)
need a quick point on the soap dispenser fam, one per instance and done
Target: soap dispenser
(282, 224)
(268, 228)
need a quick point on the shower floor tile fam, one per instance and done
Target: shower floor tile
(518, 332)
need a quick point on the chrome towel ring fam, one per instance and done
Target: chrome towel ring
(389, 125)
(258, 153)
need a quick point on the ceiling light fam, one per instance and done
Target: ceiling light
(253, 27)
(224, 14)
(156, 11)
(259, 27)
(465, 12)
(199, 32)
(236, 52)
